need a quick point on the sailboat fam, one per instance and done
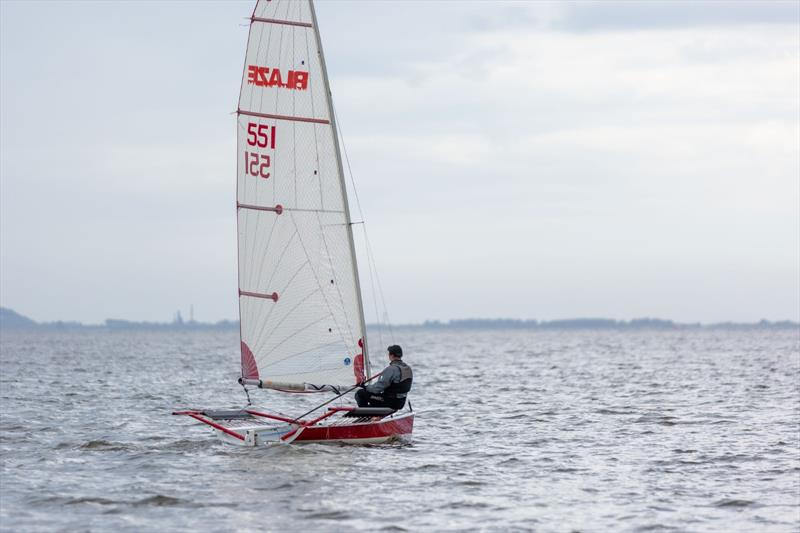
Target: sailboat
(301, 315)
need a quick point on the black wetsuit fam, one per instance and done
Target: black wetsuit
(390, 390)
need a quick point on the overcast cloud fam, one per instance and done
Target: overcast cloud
(530, 160)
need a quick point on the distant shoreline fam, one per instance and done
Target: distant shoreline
(12, 321)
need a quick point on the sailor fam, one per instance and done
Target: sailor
(392, 386)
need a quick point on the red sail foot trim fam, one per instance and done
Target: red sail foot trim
(283, 117)
(249, 366)
(278, 209)
(279, 21)
(273, 297)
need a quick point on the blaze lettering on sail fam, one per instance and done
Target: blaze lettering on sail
(273, 77)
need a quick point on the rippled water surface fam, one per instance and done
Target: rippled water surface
(545, 431)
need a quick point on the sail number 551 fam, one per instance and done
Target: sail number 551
(261, 136)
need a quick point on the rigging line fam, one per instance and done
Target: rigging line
(375, 302)
(335, 397)
(371, 254)
(371, 261)
(370, 257)
(247, 393)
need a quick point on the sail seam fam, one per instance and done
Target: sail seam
(337, 284)
(320, 347)
(288, 314)
(294, 334)
(260, 340)
(305, 210)
(258, 272)
(319, 284)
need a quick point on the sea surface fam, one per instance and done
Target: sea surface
(515, 431)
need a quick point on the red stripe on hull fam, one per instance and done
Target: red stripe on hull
(376, 430)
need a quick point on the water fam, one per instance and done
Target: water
(545, 431)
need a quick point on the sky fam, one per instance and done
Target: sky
(525, 160)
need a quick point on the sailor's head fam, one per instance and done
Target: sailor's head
(395, 352)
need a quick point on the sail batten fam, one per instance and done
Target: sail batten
(302, 323)
(278, 21)
(284, 117)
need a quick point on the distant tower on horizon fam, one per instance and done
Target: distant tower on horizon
(178, 318)
(191, 312)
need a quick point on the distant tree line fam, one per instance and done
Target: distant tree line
(593, 323)
(11, 320)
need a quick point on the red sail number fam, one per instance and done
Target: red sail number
(260, 135)
(256, 164)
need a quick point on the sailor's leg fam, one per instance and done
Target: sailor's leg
(376, 401)
(362, 398)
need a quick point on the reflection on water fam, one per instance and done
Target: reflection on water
(551, 431)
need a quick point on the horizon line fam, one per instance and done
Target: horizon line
(10, 314)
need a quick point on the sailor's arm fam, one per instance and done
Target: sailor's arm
(386, 379)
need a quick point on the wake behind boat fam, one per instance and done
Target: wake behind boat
(300, 305)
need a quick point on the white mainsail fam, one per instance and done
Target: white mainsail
(302, 321)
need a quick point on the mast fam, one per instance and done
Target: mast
(329, 96)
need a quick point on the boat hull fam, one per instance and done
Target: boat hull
(358, 426)
(376, 432)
